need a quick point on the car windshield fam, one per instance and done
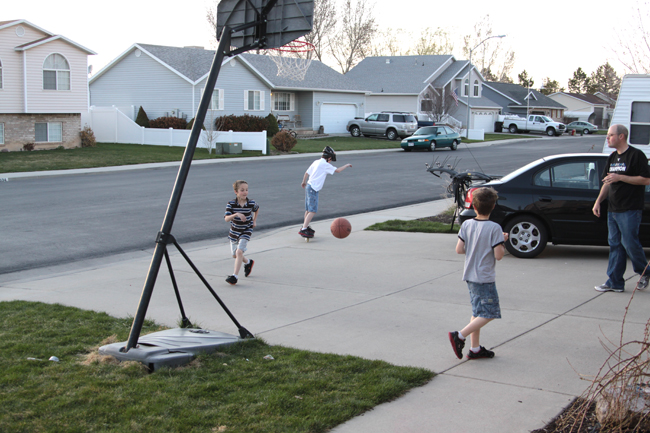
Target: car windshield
(427, 130)
(517, 172)
(547, 119)
(410, 118)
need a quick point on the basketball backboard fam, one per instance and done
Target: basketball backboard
(286, 21)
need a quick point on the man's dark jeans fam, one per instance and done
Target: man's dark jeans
(623, 243)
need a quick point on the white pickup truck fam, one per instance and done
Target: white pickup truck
(534, 123)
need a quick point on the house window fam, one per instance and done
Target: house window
(466, 88)
(476, 88)
(283, 101)
(2, 133)
(640, 123)
(216, 103)
(56, 73)
(253, 100)
(49, 132)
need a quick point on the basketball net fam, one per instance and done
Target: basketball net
(292, 59)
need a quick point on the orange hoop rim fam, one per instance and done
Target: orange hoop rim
(295, 47)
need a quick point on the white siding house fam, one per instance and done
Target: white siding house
(43, 87)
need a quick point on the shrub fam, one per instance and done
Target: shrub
(142, 118)
(273, 125)
(29, 147)
(283, 141)
(168, 122)
(190, 124)
(243, 123)
(87, 137)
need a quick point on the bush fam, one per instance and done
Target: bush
(87, 137)
(283, 141)
(142, 118)
(273, 125)
(243, 123)
(29, 147)
(190, 124)
(168, 122)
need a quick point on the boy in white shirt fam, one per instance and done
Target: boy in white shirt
(316, 173)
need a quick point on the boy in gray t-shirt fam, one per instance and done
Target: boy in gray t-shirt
(482, 242)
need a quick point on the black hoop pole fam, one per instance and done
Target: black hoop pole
(183, 171)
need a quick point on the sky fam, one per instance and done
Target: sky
(550, 39)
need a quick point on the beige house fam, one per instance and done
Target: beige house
(43, 87)
(584, 108)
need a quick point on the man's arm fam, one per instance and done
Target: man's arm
(604, 191)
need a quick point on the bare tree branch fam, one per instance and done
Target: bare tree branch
(355, 34)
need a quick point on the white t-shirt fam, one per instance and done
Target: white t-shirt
(480, 237)
(317, 172)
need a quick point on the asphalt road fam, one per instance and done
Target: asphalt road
(61, 219)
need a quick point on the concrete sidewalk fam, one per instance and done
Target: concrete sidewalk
(389, 296)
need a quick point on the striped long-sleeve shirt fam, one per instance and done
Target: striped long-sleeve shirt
(238, 228)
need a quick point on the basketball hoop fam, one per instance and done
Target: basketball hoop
(292, 59)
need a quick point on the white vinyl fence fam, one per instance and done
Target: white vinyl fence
(110, 125)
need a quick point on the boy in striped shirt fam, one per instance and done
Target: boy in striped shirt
(241, 213)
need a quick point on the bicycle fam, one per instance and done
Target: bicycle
(291, 132)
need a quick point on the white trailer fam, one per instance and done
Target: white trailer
(633, 111)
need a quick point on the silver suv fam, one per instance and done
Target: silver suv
(391, 124)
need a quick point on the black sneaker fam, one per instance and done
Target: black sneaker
(231, 280)
(457, 344)
(482, 353)
(310, 230)
(305, 234)
(248, 267)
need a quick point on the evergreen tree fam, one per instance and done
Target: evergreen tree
(580, 83)
(142, 118)
(550, 86)
(605, 80)
(524, 80)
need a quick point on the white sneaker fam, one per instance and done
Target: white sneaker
(606, 288)
(643, 282)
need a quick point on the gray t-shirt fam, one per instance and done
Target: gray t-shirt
(480, 237)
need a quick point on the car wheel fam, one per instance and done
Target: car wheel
(454, 145)
(586, 132)
(432, 147)
(391, 134)
(512, 129)
(550, 132)
(355, 131)
(527, 237)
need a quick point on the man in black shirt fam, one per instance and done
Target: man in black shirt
(624, 180)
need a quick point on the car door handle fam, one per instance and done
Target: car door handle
(545, 198)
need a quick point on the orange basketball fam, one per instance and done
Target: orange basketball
(341, 228)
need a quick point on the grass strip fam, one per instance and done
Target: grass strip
(414, 226)
(236, 390)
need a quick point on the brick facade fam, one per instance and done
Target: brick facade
(20, 129)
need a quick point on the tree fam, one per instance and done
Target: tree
(633, 50)
(550, 86)
(580, 82)
(355, 34)
(324, 23)
(388, 43)
(490, 55)
(437, 104)
(433, 42)
(605, 80)
(524, 80)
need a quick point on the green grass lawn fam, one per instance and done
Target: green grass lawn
(440, 223)
(235, 390)
(112, 154)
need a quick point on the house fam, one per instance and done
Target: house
(414, 83)
(585, 108)
(169, 81)
(43, 87)
(518, 100)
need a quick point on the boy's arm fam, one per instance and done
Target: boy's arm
(500, 250)
(460, 246)
(340, 169)
(255, 217)
(304, 179)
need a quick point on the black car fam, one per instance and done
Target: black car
(551, 200)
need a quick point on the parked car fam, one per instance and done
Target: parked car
(432, 138)
(584, 127)
(391, 124)
(532, 123)
(551, 200)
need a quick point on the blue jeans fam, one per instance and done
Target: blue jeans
(623, 243)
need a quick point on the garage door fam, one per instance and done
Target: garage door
(335, 117)
(484, 120)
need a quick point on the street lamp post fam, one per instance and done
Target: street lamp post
(469, 76)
